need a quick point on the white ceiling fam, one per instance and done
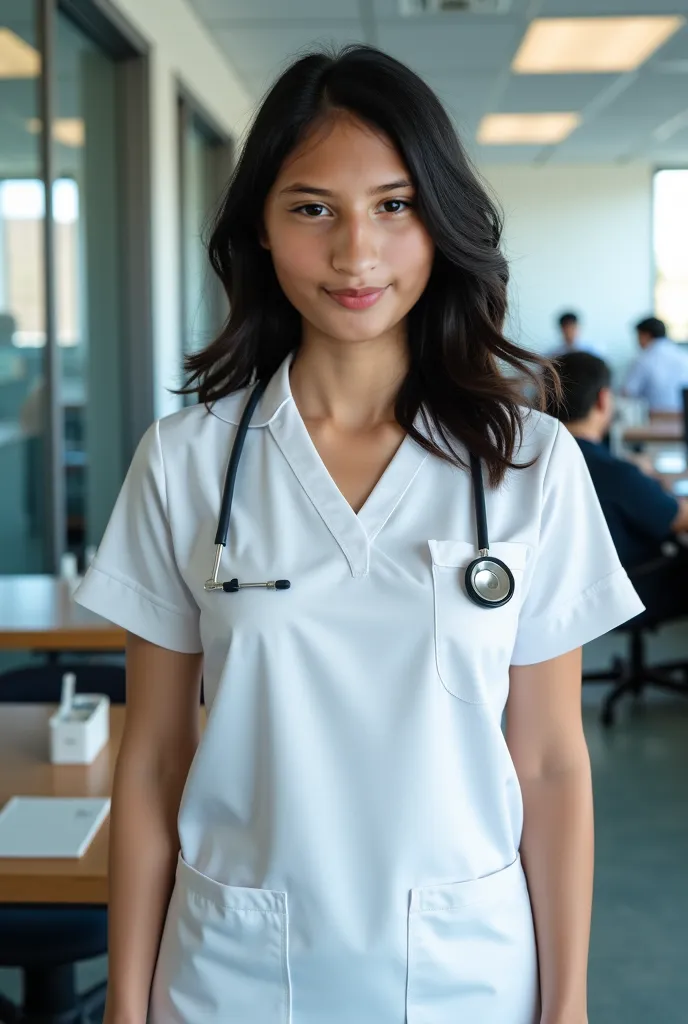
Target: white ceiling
(466, 59)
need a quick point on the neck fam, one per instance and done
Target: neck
(353, 385)
(586, 430)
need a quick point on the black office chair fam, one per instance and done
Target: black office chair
(45, 942)
(632, 674)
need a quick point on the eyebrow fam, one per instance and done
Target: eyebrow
(301, 189)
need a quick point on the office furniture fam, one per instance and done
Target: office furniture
(42, 937)
(38, 613)
(632, 674)
(663, 430)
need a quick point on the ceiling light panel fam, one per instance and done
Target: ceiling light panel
(554, 46)
(70, 131)
(526, 129)
(17, 58)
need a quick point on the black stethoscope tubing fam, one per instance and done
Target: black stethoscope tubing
(489, 581)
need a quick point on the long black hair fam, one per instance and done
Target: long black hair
(457, 348)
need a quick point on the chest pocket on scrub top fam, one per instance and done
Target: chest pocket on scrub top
(473, 645)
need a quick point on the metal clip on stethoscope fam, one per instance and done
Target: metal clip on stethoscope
(489, 582)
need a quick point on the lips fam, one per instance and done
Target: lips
(357, 298)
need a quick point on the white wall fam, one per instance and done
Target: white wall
(578, 238)
(180, 49)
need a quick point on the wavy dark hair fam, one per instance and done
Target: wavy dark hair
(464, 375)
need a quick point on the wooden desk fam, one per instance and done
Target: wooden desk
(38, 613)
(25, 770)
(660, 431)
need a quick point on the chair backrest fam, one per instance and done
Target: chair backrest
(42, 684)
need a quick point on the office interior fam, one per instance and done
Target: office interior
(119, 125)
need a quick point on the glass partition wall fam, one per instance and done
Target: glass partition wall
(64, 444)
(22, 292)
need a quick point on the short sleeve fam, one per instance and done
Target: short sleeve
(575, 588)
(134, 580)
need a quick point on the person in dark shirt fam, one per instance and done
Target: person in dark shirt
(640, 514)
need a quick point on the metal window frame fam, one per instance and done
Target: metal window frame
(223, 156)
(55, 526)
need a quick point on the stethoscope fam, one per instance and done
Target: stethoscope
(489, 581)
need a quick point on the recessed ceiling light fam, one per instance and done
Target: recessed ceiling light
(17, 58)
(564, 46)
(526, 129)
(69, 131)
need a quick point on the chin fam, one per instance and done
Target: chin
(357, 327)
(358, 334)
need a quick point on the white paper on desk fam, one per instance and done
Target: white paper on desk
(50, 826)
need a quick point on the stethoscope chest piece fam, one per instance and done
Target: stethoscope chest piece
(489, 582)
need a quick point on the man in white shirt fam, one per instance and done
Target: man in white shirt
(660, 373)
(569, 325)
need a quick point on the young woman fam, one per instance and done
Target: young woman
(354, 840)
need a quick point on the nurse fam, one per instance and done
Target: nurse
(354, 839)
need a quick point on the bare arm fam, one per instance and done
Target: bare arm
(546, 741)
(160, 738)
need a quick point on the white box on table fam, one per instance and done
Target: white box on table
(78, 734)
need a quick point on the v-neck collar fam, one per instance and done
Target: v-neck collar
(353, 532)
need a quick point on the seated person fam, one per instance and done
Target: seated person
(571, 341)
(660, 372)
(640, 514)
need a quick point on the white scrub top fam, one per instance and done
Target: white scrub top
(351, 822)
(659, 375)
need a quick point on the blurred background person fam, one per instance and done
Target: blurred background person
(660, 373)
(571, 341)
(640, 514)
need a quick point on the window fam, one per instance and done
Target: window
(22, 295)
(74, 383)
(204, 166)
(671, 251)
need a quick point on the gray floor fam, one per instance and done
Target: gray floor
(639, 955)
(639, 958)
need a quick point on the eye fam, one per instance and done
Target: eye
(396, 205)
(312, 210)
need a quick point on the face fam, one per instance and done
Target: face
(348, 247)
(644, 339)
(570, 332)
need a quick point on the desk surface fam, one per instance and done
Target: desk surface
(662, 430)
(38, 613)
(25, 770)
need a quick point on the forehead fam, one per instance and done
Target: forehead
(343, 149)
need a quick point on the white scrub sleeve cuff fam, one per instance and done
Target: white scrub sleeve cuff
(606, 604)
(128, 605)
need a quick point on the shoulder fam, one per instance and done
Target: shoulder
(608, 470)
(196, 425)
(194, 433)
(539, 437)
(548, 455)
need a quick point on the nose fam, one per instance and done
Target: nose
(355, 246)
